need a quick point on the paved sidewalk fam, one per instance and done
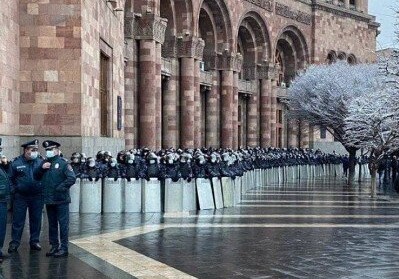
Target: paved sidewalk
(315, 229)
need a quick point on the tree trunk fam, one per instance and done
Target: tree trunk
(373, 173)
(352, 165)
(360, 165)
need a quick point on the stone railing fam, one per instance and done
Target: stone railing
(281, 93)
(247, 86)
(206, 78)
(166, 67)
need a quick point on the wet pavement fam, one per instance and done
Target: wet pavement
(313, 229)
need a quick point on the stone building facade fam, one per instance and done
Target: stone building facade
(115, 74)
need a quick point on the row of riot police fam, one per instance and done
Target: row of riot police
(191, 163)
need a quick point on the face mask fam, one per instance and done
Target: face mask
(113, 164)
(33, 155)
(130, 162)
(83, 160)
(75, 160)
(152, 161)
(92, 164)
(170, 161)
(50, 153)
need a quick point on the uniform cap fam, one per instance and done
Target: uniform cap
(31, 144)
(50, 144)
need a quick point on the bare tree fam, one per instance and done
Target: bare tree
(321, 96)
(373, 119)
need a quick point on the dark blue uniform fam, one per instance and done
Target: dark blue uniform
(27, 195)
(56, 183)
(5, 184)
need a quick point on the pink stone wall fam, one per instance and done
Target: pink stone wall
(50, 75)
(101, 23)
(9, 68)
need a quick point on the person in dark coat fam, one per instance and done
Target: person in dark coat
(57, 177)
(5, 190)
(27, 196)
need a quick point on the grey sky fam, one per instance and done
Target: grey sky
(384, 11)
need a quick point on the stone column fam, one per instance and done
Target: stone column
(347, 4)
(227, 100)
(169, 117)
(265, 113)
(304, 134)
(147, 94)
(213, 113)
(158, 98)
(150, 32)
(235, 110)
(197, 103)
(252, 136)
(273, 105)
(187, 105)
(190, 50)
(292, 134)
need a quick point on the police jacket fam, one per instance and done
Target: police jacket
(91, 173)
(170, 171)
(77, 169)
(186, 171)
(5, 184)
(213, 170)
(56, 180)
(21, 173)
(113, 172)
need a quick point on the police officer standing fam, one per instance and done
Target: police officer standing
(57, 177)
(27, 195)
(5, 185)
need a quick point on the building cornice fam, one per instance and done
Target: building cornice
(344, 12)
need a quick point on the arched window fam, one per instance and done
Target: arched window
(279, 68)
(331, 57)
(352, 4)
(342, 56)
(352, 59)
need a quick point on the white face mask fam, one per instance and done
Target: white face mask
(113, 164)
(170, 161)
(92, 164)
(152, 161)
(50, 153)
(34, 154)
(130, 162)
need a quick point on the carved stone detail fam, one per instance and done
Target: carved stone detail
(129, 23)
(229, 61)
(190, 47)
(288, 12)
(264, 4)
(150, 28)
(263, 71)
(249, 71)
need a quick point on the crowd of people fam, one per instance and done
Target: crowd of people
(33, 181)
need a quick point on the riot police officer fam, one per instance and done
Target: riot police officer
(5, 185)
(57, 177)
(27, 196)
